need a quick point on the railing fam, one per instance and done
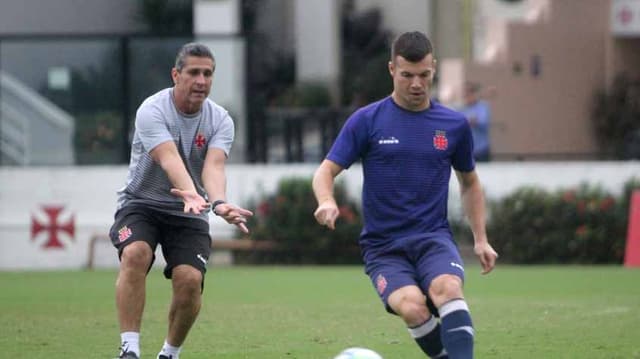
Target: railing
(233, 245)
(13, 137)
(302, 134)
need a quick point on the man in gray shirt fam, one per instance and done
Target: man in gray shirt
(176, 175)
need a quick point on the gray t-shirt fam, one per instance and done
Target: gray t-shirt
(158, 121)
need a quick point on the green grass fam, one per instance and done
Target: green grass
(314, 312)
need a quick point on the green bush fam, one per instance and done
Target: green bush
(586, 225)
(583, 225)
(286, 217)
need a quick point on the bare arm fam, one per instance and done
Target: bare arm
(473, 203)
(214, 180)
(323, 181)
(214, 177)
(166, 155)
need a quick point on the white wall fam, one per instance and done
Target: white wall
(87, 196)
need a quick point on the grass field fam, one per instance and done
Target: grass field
(314, 312)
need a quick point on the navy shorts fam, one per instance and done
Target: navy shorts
(415, 261)
(184, 240)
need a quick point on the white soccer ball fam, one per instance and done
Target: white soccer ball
(358, 353)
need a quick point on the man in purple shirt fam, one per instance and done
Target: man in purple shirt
(408, 144)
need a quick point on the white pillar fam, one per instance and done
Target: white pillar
(317, 43)
(217, 24)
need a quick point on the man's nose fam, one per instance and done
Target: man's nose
(201, 78)
(416, 81)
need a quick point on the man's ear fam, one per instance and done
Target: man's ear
(391, 67)
(435, 68)
(174, 75)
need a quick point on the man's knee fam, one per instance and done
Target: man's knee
(186, 279)
(445, 288)
(410, 304)
(136, 256)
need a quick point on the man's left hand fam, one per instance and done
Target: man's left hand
(234, 215)
(487, 256)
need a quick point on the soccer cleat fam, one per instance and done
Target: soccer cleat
(128, 355)
(125, 353)
(162, 356)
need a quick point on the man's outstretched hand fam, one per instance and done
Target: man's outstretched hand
(193, 202)
(234, 215)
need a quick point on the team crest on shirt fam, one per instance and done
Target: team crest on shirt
(440, 141)
(124, 233)
(381, 283)
(200, 140)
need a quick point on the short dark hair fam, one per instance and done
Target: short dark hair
(413, 46)
(192, 49)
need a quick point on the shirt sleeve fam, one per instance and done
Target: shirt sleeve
(224, 134)
(351, 142)
(462, 159)
(152, 128)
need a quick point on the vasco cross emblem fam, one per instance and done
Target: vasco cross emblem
(53, 227)
(440, 141)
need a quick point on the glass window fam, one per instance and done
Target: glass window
(150, 64)
(61, 101)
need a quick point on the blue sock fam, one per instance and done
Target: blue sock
(427, 335)
(456, 330)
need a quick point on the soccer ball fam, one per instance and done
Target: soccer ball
(358, 353)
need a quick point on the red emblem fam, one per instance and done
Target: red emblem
(381, 283)
(53, 227)
(200, 140)
(124, 233)
(440, 141)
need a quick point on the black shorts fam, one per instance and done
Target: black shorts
(183, 240)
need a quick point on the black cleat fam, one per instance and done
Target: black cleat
(162, 356)
(125, 353)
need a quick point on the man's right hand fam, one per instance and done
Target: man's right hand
(193, 202)
(327, 213)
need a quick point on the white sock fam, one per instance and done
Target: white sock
(130, 342)
(170, 351)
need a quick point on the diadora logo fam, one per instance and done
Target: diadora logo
(53, 226)
(454, 264)
(388, 141)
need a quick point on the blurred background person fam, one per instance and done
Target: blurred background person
(478, 113)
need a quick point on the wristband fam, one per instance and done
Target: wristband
(215, 204)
